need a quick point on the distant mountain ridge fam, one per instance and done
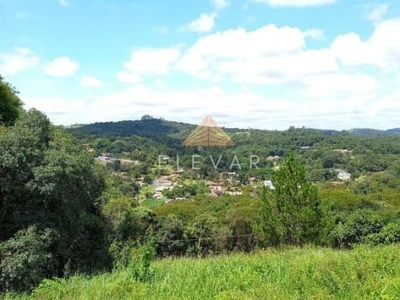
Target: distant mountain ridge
(148, 126)
(374, 132)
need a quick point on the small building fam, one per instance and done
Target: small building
(103, 158)
(253, 180)
(213, 184)
(179, 171)
(343, 151)
(234, 193)
(163, 159)
(343, 175)
(269, 184)
(163, 183)
(157, 195)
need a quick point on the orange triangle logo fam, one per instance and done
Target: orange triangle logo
(208, 134)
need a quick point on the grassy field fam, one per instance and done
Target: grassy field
(363, 273)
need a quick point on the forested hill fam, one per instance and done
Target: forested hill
(374, 132)
(147, 126)
(149, 132)
(151, 127)
(356, 151)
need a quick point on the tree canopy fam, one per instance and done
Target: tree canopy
(292, 213)
(48, 182)
(10, 104)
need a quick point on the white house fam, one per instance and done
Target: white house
(343, 175)
(269, 184)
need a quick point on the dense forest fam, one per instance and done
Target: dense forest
(90, 198)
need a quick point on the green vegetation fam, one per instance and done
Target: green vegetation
(152, 203)
(10, 104)
(291, 212)
(307, 273)
(50, 215)
(119, 196)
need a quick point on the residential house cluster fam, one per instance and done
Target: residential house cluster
(161, 184)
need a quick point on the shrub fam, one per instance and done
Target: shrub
(25, 259)
(390, 234)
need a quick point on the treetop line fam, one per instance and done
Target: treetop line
(197, 160)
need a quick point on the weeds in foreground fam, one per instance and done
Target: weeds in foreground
(308, 273)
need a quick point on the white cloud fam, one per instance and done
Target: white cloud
(247, 57)
(220, 4)
(148, 62)
(295, 3)
(314, 33)
(239, 43)
(376, 12)
(339, 84)
(90, 81)
(397, 80)
(204, 23)
(126, 76)
(381, 49)
(54, 106)
(280, 69)
(64, 2)
(352, 51)
(60, 110)
(18, 60)
(62, 67)
(233, 109)
(350, 83)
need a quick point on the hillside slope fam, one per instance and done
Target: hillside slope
(363, 273)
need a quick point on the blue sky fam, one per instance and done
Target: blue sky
(264, 64)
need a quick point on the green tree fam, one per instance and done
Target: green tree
(291, 212)
(203, 232)
(357, 227)
(26, 259)
(46, 179)
(170, 237)
(10, 104)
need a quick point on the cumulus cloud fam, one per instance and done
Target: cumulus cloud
(295, 3)
(376, 12)
(314, 33)
(232, 109)
(381, 49)
(204, 23)
(343, 84)
(270, 78)
(397, 80)
(246, 56)
(90, 81)
(61, 111)
(148, 62)
(62, 67)
(18, 60)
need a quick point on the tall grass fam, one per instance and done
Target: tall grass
(308, 273)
